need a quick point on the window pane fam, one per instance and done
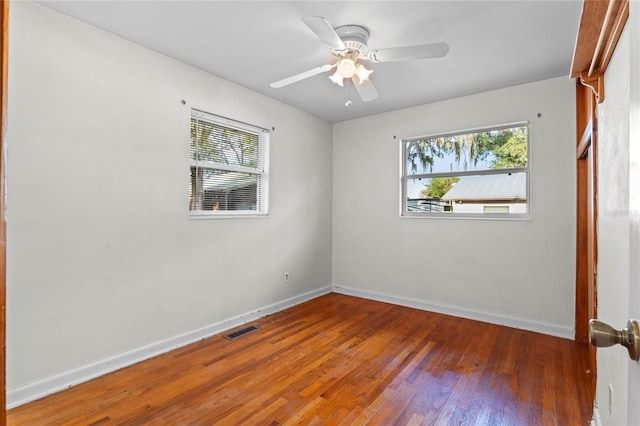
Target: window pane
(425, 195)
(222, 144)
(493, 193)
(491, 149)
(219, 190)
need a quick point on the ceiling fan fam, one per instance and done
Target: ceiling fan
(349, 44)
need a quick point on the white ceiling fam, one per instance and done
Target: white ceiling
(493, 44)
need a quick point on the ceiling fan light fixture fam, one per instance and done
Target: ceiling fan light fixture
(362, 73)
(337, 78)
(346, 67)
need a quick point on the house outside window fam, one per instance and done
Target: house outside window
(479, 173)
(228, 167)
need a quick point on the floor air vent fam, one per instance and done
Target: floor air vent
(242, 332)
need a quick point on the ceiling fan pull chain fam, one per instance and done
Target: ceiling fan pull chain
(348, 102)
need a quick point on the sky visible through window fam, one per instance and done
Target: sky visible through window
(446, 164)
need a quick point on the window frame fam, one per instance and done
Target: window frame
(405, 176)
(262, 169)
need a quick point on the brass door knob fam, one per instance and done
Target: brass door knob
(602, 335)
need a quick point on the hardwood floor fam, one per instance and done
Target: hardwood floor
(341, 360)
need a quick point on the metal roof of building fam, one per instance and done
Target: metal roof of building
(228, 181)
(511, 186)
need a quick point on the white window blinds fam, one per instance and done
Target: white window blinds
(228, 166)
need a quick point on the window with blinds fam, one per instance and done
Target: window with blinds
(228, 167)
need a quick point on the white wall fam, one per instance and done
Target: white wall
(102, 257)
(512, 272)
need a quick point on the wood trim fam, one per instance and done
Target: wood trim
(581, 299)
(595, 83)
(585, 141)
(601, 24)
(614, 29)
(4, 47)
(585, 123)
(586, 214)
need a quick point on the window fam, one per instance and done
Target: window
(228, 167)
(483, 173)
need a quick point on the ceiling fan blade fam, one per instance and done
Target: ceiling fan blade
(407, 53)
(325, 32)
(301, 76)
(366, 90)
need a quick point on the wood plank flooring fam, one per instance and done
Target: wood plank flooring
(341, 360)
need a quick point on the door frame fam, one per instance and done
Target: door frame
(586, 299)
(601, 24)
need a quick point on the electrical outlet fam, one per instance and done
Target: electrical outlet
(610, 400)
(286, 277)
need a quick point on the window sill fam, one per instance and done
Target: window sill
(207, 216)
(463, 216)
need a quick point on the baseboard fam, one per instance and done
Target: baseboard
(550, 329)
(31, 392)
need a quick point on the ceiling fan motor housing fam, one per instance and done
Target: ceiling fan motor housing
(355, 38)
